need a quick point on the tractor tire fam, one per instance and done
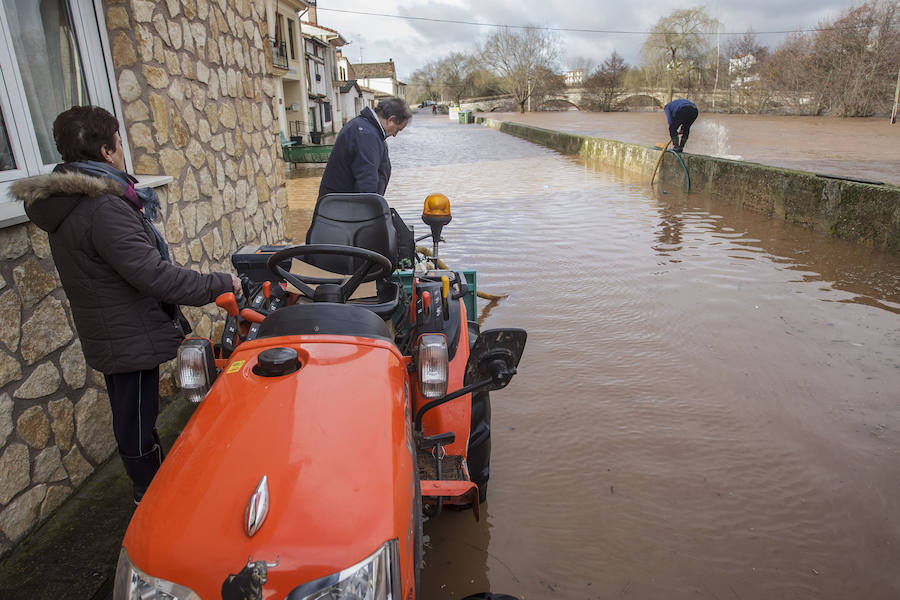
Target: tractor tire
(479, 449)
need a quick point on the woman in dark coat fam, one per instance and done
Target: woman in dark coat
(115, 269)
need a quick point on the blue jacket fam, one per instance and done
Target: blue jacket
(680, 112)
(359, 161)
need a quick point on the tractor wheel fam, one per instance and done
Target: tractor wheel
(479, 449)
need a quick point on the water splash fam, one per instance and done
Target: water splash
(717, 134)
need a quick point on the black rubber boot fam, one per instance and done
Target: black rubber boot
(141, 469)
(675, 145)
(684, 138)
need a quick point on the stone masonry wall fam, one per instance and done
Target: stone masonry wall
(195, 82)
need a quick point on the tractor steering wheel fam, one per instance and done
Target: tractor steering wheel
(347, 285)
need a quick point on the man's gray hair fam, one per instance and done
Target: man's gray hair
(393, 107)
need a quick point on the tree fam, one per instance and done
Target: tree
(523, 62)
(856, 59)
(846, 68)
(679, 44)
(606, 83)
(745, 45)
(422, 84)
(787, 72)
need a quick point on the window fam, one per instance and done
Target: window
(290, 25)
(327, 108)
(51, 58)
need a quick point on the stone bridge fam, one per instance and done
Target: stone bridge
(575, 97)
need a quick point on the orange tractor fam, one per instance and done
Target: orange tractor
(327, 422)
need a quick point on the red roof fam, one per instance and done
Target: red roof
(382, 70)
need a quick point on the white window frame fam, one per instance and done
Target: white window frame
(93, 44)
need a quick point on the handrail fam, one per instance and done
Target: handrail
(279, 55)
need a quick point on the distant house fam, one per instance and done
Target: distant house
(575, 78)
(742, 69)
(352, 96)
(381, 77)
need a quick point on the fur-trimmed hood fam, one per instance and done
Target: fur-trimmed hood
(50, 198)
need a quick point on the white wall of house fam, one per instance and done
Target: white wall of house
(381, 84)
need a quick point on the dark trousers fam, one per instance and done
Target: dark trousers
(684, 117)
(134, 400)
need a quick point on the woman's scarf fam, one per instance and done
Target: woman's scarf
(143, 198)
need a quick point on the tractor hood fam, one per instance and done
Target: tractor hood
(334, 443)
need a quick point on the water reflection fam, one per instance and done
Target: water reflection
(463, 544)
(871, 276)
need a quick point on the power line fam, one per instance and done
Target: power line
(563, 29)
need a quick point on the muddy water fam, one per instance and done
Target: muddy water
(709, 403)
(861, 148)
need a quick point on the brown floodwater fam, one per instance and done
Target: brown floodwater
(866, 148)
(709, 402)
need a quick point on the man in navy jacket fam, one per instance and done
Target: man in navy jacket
(680, 113)
(359, 161)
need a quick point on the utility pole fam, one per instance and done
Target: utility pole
(896, 99)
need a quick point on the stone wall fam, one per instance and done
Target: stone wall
(195, 83)
(858, 212)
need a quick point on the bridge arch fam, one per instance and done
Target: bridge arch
(640, 101)
(557, 104)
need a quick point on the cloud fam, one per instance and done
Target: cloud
(412, 43)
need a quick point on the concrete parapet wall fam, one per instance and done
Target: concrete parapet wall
(859, 212)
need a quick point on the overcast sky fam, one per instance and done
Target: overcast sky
(412, 43)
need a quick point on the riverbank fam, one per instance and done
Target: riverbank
(859, 212)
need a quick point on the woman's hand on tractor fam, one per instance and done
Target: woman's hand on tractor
(236, 284)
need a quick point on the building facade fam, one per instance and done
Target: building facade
(289, 67)
(193, 85)
(322, 44)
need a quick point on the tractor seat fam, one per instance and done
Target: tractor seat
(325, 318)
(363, 221)
(360, 220)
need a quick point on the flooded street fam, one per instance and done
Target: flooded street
(861, 148)
(709, 402)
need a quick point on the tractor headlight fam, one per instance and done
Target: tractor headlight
(375, 578)
(133, 584)
(433, 364)
(195, 368)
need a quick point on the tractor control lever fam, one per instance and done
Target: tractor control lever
(228, 302)
(248, 314)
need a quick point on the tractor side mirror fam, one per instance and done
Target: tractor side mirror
(492, 364)
(495, 356)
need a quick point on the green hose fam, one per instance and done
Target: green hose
(686, 174)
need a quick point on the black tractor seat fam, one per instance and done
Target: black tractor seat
(325, 318)
(363, 221)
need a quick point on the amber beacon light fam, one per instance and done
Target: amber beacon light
(436, 214)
